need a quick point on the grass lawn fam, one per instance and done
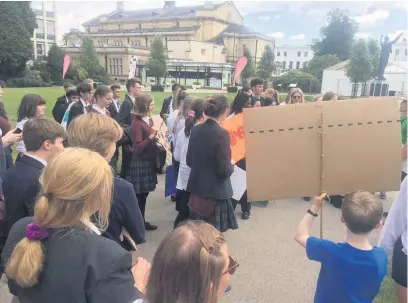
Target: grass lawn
(13, 96)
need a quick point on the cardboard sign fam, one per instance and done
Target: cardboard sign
(335, 147)
(235, 127)
(163, 136)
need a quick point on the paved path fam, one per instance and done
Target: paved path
(273, 268)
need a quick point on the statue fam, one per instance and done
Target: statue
(386, 50)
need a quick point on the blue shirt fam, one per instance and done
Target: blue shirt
(347, 274)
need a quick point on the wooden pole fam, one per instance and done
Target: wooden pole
(321, 135)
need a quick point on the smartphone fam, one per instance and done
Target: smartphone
(18, 131)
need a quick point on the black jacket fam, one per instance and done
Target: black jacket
(113, 111)
(59, 108)
(76, 110)
(209, 156)
(125, 118)
(165, 107)
(80, 266)
(20, 188)
(125, 212)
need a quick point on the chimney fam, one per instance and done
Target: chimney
(120, 6)
(169, 4)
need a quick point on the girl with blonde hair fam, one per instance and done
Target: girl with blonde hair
(296, 96)
(59, 255)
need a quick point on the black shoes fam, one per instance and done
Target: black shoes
(245, 215)
(149, 226)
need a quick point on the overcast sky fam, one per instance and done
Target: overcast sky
(290, 22)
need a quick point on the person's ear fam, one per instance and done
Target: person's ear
(379, 224)
(46, 145)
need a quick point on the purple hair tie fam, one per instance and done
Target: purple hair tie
(35, 232)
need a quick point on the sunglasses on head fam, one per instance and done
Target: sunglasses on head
(232, 266)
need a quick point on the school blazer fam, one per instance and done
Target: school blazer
(80, 266)
(59, 108)
(124, 117)
(209, 156)
(76, 110)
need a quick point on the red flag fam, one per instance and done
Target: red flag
(239, 67)
(67, 61)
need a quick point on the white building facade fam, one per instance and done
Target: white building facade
(290, 57)
(400, 49)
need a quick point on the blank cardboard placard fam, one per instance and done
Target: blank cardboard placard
(284, 146)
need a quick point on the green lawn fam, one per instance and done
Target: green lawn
(12, 98)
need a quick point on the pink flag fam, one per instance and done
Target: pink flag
(239, 67)
(67, 61)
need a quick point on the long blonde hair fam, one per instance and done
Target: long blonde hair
(76, 184)
(294, 91)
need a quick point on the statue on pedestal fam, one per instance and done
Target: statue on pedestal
(386, 50)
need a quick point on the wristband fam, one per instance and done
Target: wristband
(312, 213)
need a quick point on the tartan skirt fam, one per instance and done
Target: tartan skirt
(142, 175)
(223, 217)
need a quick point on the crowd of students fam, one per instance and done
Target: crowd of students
(68, 220)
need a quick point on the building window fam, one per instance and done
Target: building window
(40, 49)
(49, 6)
(306, 54)
(203, 51)
(290, 64)
(285, 54)
(299, 53)
(278, 54)
(396, 52)
(297, 64)
(50, 27)
(304, 64)
(115, 66)
(40, 27)
(284, 65)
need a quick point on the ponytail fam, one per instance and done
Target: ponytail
(216, 106)
(195, 113)
(27, 260)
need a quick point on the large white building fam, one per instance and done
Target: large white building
(290, 57)
(45, 34)
(400, 49)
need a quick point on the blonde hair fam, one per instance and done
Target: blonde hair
(188, 265)
(269, 92)
(95, 132)
(317, 97)
(361, 212)
(294, 91)
(76, 184)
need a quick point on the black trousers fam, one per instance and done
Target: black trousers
(141, 199)
(127, 155)
(114, 161)
(182, 199)
(245, 205)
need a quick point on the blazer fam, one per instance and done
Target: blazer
(209, 156)
(76, 110)
(165, 107)
(59, 108)
(125, 118)
(125, 212)
(80, 266)
(20, 188)
(114, 113)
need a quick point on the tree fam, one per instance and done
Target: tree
(337, 36)
(359, 68)
(76, 73)
(266, 65)
(318, 64)
(249, 69)
(374, 51)
(55, 60)
(89, 59)
(157, 63)
(17, 24)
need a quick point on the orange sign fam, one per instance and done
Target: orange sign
(235, 127)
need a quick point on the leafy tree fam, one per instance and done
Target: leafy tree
(266, 65)
(249, 69)
(89, 59)
(17, 24)
(337, 36)
(318, 64)
(41, 68)
(157, 63)
(359, 68)
(76, 73)
(374, 51)
(55, 60)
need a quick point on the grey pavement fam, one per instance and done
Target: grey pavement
(273, 268)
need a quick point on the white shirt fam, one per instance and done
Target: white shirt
(132, 98)
(180, 151)
(396, 223)
(171, 119)
(98, 109)
(20, 146)
(171, 106)
(42, 161)
(116, 104)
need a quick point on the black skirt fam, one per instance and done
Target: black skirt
(399, 264)
(142, 175)
(223, 217)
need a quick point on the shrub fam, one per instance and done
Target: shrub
(196, 83)
(30, 79)
(3, 83)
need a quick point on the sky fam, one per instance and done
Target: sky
(289, 22)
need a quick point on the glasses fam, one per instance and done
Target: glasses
(296, 97)
(232, 266)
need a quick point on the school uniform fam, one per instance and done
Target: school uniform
(59, 108)
(114, 108)
(80, 266)
(166, 107)
(125, 120)
(78, 108)
(209, 184)
(142, 170)
(95, 109)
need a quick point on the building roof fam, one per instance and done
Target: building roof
(233, 29)
(152, 14)
(393, 66)
(145, 30)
